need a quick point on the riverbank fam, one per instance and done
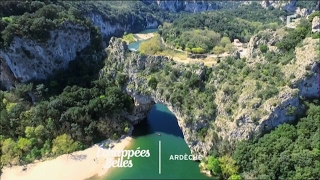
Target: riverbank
(143, 36)
(76, 166)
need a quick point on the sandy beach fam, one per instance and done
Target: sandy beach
(78, 166)
(140, 37)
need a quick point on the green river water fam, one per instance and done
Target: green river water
(145, 135)
(135, 45)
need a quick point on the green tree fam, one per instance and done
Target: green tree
(64, 144)
(263, 48)
(153, 82)
(197, 50)
(235, 177)
(129, 38)
(22, 90)
(24, 144)
(121, 79)
(224, 41)
(228, 166)
(39, 131)
(218, 50)
(10, 152)
(29, 132)
(213, 165)
(152, 45)
(230, 48)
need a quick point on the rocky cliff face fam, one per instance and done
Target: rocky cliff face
(243, 126)
(305, 84)
(188, 6)
(133, 66)
(316, 24)
(26, 59)
(142, 107)
(109, 29)
(267, 37)
(6, 76)
(289, 5)
(200, 6)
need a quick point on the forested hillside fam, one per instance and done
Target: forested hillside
(288, 152)
(78, 116)
(37, 20)
(191, 31)
(70, 110)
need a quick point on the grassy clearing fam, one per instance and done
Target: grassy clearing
(173, 54)
(182, 57)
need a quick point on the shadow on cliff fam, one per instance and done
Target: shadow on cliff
(160, 120)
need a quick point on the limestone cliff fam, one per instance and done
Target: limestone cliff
(109, 29)
(200, 6)
(247, 122)
(6, 77)
(316, 24)
(289, 5)
(188, 6)
(114, 18)
(27, 59)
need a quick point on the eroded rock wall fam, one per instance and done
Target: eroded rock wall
(243, 126)
(28, 59)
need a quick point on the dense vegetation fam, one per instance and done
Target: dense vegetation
(71, 109)
(306, 4)
(240, 23)
(229, 76)
(152, 45)
(196, 42)
(61, 124)
(295, 36)
(35, 19)
(288, 152)
(37, 25)
(190, 91)
(128, 38)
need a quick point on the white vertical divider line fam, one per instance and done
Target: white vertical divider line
(159, 157)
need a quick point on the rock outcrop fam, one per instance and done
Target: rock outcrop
(109, 29)
(118, 49)
(200, 6)
(142, 107)
(6, 76)
(244, 125)
(303, 12)
(188, 6)
(267, 37)
(289, 5)
(316, 24)
(27, 59)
